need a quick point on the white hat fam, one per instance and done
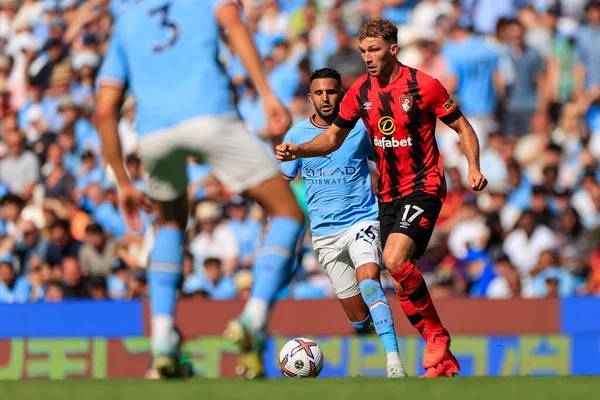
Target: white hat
(208, 211)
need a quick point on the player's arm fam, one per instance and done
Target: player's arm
(449, 113)
(323, 144)
(112, 82)
(228, 16)
(108, 105)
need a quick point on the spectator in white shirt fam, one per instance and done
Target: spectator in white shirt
(214, 239)
(525, 244)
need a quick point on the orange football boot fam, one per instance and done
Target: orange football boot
(447, 368)
(435, 349)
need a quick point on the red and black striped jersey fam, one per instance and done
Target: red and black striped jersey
(400, 119)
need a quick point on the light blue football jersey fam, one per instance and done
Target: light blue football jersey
(338, 186)
(166, 51)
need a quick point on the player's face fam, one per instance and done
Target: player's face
(377, 54)
(325, 97)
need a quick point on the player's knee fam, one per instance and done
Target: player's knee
(368, 271)
(403, 271)
(395, 260)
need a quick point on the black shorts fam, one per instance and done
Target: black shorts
(414, 215)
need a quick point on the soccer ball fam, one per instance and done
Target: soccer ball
(301, 358)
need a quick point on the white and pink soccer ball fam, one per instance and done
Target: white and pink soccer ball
(301, 358)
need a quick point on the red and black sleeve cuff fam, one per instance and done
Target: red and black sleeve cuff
(344, 123)
(453, 116)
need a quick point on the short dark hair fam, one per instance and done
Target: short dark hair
(382, 28)
(325, 73)
(61, 223)
(94, 229)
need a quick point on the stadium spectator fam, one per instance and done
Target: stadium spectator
(29, 247)
(75, 285)
(13, 288)
(214, 239)
(20, 169)
(54, 292)
(63, 245)
(98, 253)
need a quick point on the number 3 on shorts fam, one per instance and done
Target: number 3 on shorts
(366, 234)
(407, 208)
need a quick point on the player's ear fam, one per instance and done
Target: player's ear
(394, 49)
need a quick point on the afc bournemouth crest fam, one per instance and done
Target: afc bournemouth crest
(406, 102)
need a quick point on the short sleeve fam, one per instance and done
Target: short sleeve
(289, 169)
(441, 104)
(349, 110)
(114, 66)
(218, 4)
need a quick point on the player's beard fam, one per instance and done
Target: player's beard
(329, 116)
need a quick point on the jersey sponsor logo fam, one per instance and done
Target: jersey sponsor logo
(449, 104)
(383, 142)
(406, 102)
(386, 125)
(317, 172)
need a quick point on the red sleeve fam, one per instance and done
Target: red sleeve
(440, 102)
(349, 110)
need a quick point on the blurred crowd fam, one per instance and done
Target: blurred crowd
(525, 72)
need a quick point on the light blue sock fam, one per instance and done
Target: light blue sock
(273, 269)
(364, 326)
(372, 294)
(166, 262)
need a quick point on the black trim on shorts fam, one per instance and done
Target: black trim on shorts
(453, 116)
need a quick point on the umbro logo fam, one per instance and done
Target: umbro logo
(404, 224)
(367, 105)
(328, 157)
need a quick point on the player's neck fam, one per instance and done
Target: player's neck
(389, 76)
(321, 122)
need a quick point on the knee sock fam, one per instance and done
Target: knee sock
(415, 319)
(166, 262)
(373, 295)
(273, 269)
(410, 278)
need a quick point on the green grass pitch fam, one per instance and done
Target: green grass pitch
(502, 388)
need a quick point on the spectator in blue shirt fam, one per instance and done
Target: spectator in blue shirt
(30, 246)
(246, 230)
(13, 288)
(63, 245)
(525, 95)
(474, 78)
(588, 49)
(213, 282)
(108, 214)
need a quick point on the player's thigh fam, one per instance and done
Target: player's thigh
(416, 218)
(364, 249)
(333, 256)
(243, 164)
(165, 163)
(236, 156)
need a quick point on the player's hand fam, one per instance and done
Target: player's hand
(132, 200)
(476, 179)
(279, 118)
(286, 152)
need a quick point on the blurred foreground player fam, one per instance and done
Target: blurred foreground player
(343, 216)
(166, 54)
(399, 106)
